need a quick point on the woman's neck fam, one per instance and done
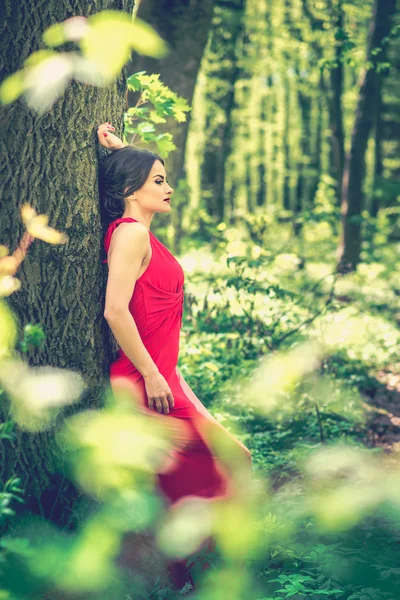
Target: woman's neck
(134, 213)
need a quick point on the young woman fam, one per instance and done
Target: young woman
(143, 307)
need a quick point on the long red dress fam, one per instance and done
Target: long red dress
(157, 307)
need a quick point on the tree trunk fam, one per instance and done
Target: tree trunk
(315, 166)
(378, 162)
(51, 161)
(261, 198)
(354, 171)
(303, 182)
(185, 26)
(336, 108)
(286, 145)
(225, 45)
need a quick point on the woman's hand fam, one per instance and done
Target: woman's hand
(107, 138)
(159, 394)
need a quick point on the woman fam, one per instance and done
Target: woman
(143, 307)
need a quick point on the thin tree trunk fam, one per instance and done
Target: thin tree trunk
(51, 162)
(286, 146)
(261, 197)
(378, 160)
(354, 172)
(223, 51)
(317, 147)
(335, 106)
(303, 187)
(249, 191)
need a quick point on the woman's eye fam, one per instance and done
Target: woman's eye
(160, 181)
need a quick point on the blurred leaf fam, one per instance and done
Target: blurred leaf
(8, 285)
(46, 79)
(37, 226)
(71, 30)
(37, 394)
(12, 87)
(146, 41)
(187, 524)
(8, 330)
(112, 36)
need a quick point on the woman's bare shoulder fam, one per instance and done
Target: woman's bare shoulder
(131, 237)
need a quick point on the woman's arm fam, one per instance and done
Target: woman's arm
(129, 246)
(107, 138)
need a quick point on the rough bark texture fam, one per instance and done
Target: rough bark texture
(51, 162)
(184, 25)
(354, 171)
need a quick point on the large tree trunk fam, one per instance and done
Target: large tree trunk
(354, 171)
(51, 162)
(184, 25)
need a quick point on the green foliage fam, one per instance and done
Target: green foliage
(141, 121)
(10, 493)
(47, 72)
(33, 338)
(308, 532)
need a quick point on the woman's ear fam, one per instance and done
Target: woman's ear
(131, 196)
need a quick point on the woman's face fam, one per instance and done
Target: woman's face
(153, 195)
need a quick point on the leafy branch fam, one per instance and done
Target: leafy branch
(156, 102)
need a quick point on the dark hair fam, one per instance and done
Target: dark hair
(124, 169)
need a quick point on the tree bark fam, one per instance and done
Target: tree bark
(285, 145)
(354, 171)
(185, 26)
(315, 166)
(303, 181)
(261, 197)
(50, 161)
(335, 106)
(378, 160)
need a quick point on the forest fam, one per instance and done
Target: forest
(279, 124)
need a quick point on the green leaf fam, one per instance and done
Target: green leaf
(165, 145)
(55, 35)
(145, 127)
(156, 118)
(180, 107)
(134, 81)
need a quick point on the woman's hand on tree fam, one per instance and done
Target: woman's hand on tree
(159, 393)
(107, 138)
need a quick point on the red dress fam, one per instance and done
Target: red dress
(157, 307)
